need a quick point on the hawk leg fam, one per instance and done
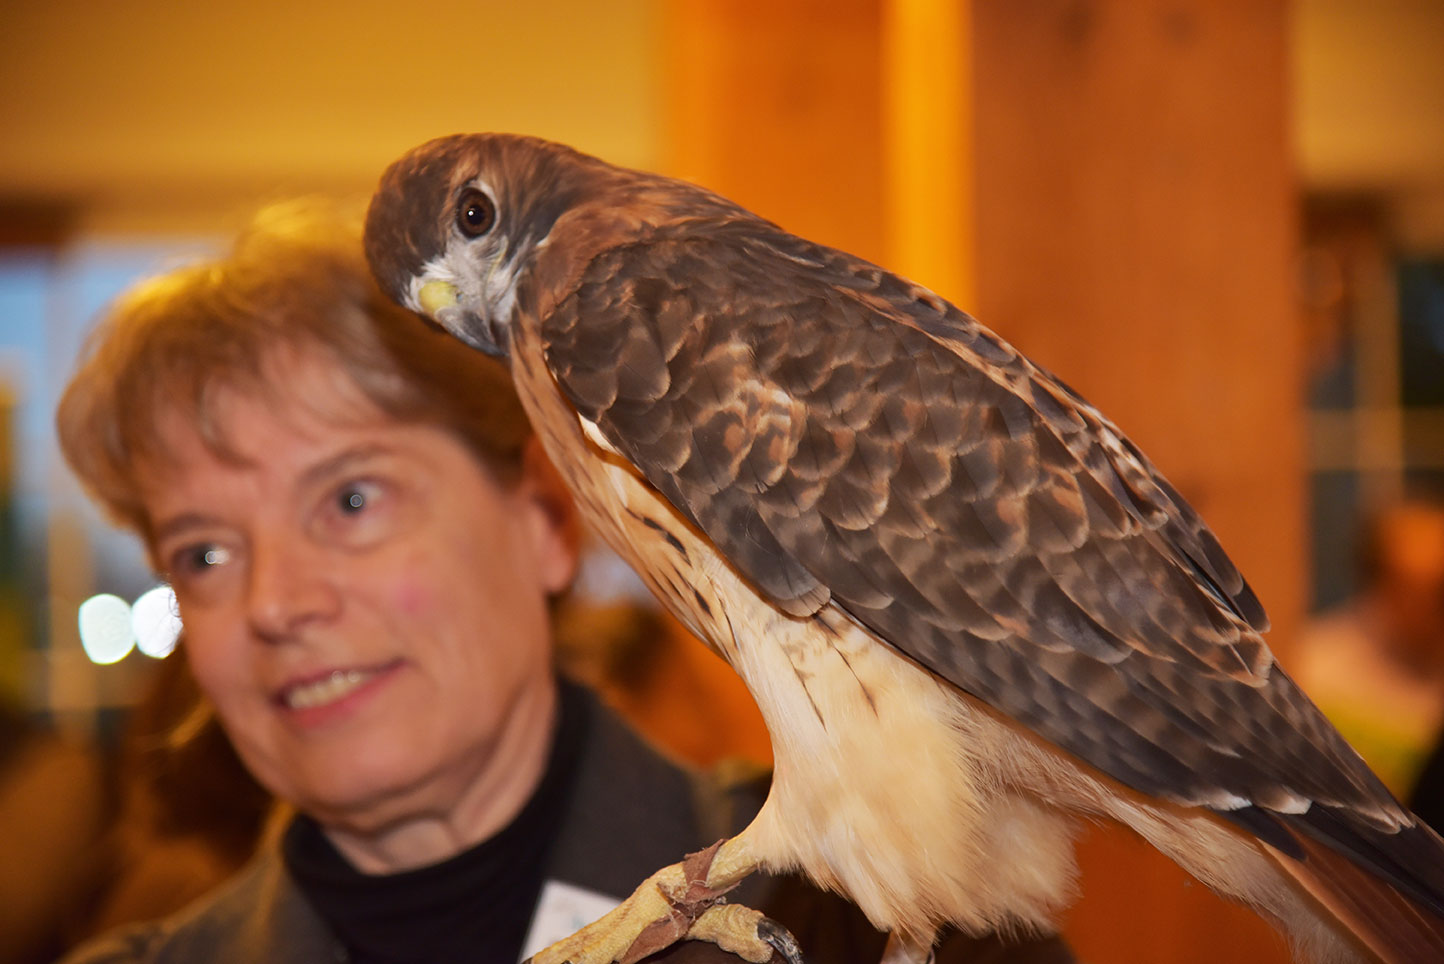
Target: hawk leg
(682, 902)
(904, 950)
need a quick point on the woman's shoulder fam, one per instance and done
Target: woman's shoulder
(132, 944)
(256, 916)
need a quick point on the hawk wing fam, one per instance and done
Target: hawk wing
(844, 436)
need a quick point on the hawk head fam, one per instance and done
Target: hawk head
(455, 224)
(458, 227)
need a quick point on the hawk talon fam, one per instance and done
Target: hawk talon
(781, 940)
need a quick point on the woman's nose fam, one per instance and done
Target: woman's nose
(291, 587)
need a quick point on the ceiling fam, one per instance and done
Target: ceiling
(152, 111)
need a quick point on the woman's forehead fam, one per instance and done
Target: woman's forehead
(304, 390)
(244, 419)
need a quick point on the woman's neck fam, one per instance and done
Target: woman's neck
(486, 795)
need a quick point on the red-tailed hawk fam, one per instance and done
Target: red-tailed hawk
(969, 609)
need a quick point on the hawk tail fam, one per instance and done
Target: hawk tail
(1397, 922)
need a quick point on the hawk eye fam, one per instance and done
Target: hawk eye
(475, 214)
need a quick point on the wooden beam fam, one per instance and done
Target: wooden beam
(928, 147)
(1136, 234)
(778, 106)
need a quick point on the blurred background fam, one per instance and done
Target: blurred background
(1220, 220)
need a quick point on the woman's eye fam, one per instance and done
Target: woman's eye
(199, 558)
(353, 498)
(357, 513)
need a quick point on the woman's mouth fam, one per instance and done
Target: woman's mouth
(331, 688)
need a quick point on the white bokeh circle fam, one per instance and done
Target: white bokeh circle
(105, 629)
(156, 621)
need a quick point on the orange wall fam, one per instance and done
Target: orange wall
(153, 115)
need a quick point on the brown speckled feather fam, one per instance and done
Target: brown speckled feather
(831, 427)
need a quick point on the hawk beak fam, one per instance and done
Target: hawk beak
(436, 295)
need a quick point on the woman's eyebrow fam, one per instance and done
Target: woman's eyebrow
(338, 463)
(178, 524)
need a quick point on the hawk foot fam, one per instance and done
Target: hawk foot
(683, 901)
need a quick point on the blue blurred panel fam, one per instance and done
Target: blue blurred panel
(1421, 332)
(25, 279)
(1333, 524)
(24, 286)
(49, 301)
(87, 278)
(1334, 387)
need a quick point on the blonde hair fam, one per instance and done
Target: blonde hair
(295, 283)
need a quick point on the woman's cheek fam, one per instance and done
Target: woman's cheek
(413, 597)
(212, 662)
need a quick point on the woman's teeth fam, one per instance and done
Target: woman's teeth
(327, 690)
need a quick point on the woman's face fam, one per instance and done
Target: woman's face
(364, 604)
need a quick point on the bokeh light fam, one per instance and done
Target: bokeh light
(110, 627)
(155, 619)
(105, 629)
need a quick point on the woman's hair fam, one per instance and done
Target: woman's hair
(295, 285)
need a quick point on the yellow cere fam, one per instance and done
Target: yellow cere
(435, 295)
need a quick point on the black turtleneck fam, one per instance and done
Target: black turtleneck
(475, 906)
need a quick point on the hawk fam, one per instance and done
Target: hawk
(969, 609)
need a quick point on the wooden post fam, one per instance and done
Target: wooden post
(1136, 234)
(778, 106)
